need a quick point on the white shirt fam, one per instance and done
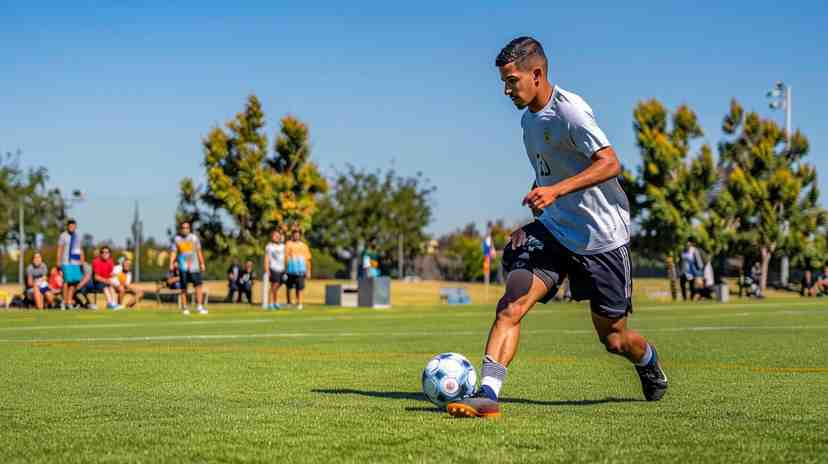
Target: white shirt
(276, 256)
(560, 140)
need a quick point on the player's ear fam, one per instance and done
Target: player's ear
(536, 76)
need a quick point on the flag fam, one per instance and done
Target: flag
(488, 255)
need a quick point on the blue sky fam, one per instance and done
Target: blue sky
(115, 100)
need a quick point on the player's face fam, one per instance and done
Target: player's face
(71, 228)
(518, 85)
(185, 229)
(276, 237)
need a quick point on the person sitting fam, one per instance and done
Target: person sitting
(245, 283)
(173, 280)
(808, 284)
(822, 282)
(55, 281)
(85, 286)
(125, 285)
(37, 286)
(233, 273)
(102, 269)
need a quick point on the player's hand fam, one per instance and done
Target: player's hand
(518, 239)
(540, 197)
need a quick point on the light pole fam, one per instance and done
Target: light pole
(780, 98)
(137, 236)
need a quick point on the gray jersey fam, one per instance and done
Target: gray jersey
(71, 248)
(560, 140)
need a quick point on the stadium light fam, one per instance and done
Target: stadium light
(780, 98)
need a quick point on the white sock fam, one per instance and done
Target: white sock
(494, 383)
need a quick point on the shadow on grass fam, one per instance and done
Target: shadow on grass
(418, 396)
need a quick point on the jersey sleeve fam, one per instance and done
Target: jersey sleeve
(174, 246)
(585, 134)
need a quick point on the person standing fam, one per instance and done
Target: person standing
(70, 258)
(298, 258)
(274, 266)
(583, 231)
(186, 250)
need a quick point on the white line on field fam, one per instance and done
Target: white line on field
(134, 324)
(386, 334)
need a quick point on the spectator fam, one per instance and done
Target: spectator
(245, 283)
(126, 286)
(233, 282)
(55, 281)
(692, 265)
(809, 284)
(37, 286)
(298, 259)
(822, 281)
(173, 281)
(102, 270)
(70, 258)
(274, 267)
(85, 287)
(187, 251)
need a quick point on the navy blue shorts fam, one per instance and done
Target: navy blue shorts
(605, 279)
(190, 278)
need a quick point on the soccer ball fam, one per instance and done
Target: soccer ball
(448, 377)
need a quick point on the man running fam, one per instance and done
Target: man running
(582, 230)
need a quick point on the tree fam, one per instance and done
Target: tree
(669, 195)
(774, 190)
(373, 209)
(462, 254)
(256, 191)
(44, 208)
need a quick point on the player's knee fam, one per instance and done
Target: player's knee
(613, 343)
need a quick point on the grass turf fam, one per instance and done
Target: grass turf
(748, 383)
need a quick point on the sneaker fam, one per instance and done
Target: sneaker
(276, 307)
(201, 310)
(474, 406)
(91, 306)
(299, 307)
(653, 379)
(185, 312)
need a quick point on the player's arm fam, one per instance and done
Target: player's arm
(604, 166)
(266, 268)
(59, 252)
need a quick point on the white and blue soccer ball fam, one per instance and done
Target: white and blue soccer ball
(448, 377)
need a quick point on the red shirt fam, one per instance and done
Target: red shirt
(103, 267)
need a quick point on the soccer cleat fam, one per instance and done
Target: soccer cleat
(474, 406)
(653, 379)
(299, 307)
(185, 312)
(202, 310)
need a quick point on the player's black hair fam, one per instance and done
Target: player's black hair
(522, 51)
(70, 222)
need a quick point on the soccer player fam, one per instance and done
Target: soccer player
(582, 229)
(70, 258)
(274, 266)
(186, 250)
(298, 258)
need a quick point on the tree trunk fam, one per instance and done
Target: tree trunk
(671, 274)
(766, 257)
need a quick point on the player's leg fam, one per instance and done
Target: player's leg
(607, 279)
(523, 291)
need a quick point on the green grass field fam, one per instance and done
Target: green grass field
(749, 382)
